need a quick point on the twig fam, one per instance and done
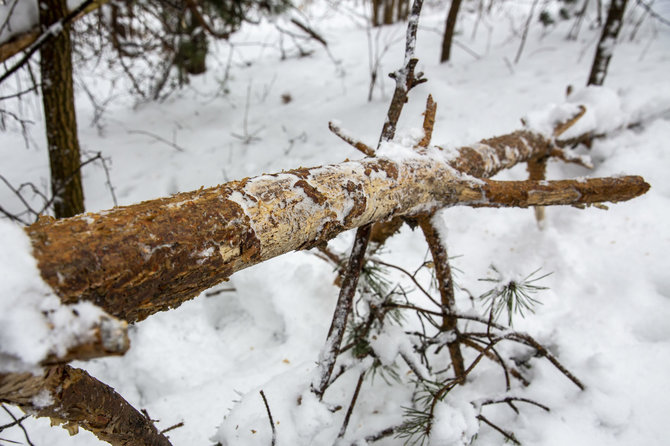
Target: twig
(428, 122)
(411, 276)
(358, 145)
(381, 435)
(18, 423)
(53, 30)
(172, 144)
(342, 309)
(528, 340)
(653, 13)
(405, 77)
(13, 423)
(562, 127)
(313, 34)
(272, 423)
(173, 427)
(217, 292)
(525, 32)
(493, 357)
(350, 410)
(508, 435)
(514, 399)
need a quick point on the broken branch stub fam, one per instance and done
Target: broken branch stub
(137, 260)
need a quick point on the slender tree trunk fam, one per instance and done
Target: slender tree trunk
(389, 10)
(59, 114)
(607, 41)
(449, 30)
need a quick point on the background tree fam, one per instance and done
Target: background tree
(450, 28)
(59, 113)
(607, 41)
(387, 12)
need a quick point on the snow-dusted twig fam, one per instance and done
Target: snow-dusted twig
(342, 310)
(358, 145)
(350, 410)
(508, 435)
(272, 422)
(405, 80)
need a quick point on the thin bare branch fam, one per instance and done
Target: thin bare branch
(358, 145)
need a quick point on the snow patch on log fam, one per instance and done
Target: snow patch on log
(34, 326)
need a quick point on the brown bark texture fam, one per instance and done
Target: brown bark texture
(60, 119)
(438, 251)
(537, 171)
(607, 41)
(134, 261)
(73, 398)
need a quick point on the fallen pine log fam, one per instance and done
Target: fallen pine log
(136, 260)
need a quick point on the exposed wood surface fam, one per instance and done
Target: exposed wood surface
(136, 260)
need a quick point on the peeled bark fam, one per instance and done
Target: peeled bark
(137, 260)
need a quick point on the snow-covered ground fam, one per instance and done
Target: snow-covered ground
(606, 311)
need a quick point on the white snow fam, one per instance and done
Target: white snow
(33, 322)
(605, 313)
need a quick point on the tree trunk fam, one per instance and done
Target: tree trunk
(607, 42)
(137, 260)
(59, 113)
(449, 30)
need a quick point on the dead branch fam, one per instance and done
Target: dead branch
(310, 32)
(136, 260)
(272, 423)
(428, 122)
(73, 398)
(563, 192)
(358, 145)
(445, 284)
(405, 81)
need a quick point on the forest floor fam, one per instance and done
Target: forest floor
(605, 314)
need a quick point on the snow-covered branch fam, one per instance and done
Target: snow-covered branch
(137, 260)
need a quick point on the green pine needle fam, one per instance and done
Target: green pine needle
(513, 296)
